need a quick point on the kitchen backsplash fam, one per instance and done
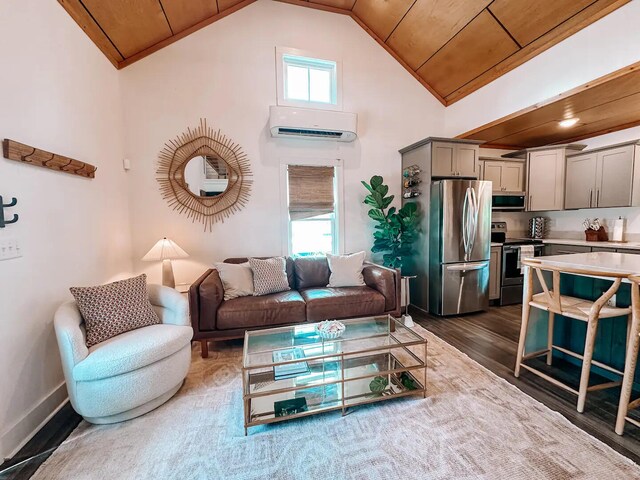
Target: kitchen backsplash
(568, 224)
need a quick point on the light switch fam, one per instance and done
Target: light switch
(9, 248)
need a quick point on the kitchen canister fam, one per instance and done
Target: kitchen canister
(537, 227)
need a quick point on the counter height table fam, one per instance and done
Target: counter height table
(575, 292)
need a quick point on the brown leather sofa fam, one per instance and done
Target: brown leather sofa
(309, 300)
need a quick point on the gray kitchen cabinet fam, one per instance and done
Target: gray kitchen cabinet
(628, 250)
(603, 249)
(506, 176)
(580, 181)
(614, 179)
(545, 180)
(601, 178)
(451, 159)
(495, 270)
(559, 249)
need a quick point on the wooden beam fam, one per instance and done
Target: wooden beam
(317, 6)
(85, 21)
(180, 35)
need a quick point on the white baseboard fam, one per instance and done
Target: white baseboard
(16, 436)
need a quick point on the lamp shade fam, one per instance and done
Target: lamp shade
(164, 249)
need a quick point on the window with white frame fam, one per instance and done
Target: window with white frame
(307, 81)
(312, 212)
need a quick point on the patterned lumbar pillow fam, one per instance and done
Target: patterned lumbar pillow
(237, 279)
(115, 308)
(269, 276)
(346, 270)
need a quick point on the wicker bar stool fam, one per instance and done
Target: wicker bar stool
(587, 311)
(630, 360)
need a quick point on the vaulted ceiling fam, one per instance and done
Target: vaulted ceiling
(452, 47)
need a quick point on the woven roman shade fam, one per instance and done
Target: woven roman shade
(310, 191)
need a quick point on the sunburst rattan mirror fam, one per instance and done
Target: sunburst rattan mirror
(204, 175)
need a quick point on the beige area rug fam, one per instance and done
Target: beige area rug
(472, 425)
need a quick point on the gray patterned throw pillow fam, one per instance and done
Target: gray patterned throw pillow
(115, 308)
(269, 276)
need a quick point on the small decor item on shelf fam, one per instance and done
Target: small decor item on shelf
(378, 385)
(330, 329)
(594, 231)
(293, 406)
(289, 370)
(411, 181)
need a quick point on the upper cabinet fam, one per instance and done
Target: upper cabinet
(455, 160)
(507, 176)
(545, 180)
(604, 177)
(545, 175)
(449, 157)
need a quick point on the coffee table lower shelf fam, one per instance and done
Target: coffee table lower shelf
(330, 385)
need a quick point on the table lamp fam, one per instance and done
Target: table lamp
(165, 250)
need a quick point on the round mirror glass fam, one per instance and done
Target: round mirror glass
(206, 176)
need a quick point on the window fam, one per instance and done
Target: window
(306, 81)
(312, 226)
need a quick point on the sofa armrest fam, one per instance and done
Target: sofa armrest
(205, 297)
(386, 281)
(70, 334)
(175, 306)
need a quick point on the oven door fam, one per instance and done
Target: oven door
(512, 273)
(508, 202)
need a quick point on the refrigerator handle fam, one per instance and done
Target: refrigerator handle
(464, 267)
(474, 219)
(465, 224)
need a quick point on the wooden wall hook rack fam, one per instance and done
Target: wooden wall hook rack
(3, 205)
(20, 152)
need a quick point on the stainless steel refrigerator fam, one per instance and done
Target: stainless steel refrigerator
(459, 246)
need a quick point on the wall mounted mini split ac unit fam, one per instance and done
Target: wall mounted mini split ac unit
(312, 124)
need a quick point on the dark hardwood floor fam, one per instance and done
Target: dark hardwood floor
(489, 338)
(37, 450)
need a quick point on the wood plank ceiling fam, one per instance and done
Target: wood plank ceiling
(129, 30)
(605, 105)
(453, 47)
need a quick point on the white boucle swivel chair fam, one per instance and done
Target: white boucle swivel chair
(131, 373)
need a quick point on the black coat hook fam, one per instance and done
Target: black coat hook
(3, 205)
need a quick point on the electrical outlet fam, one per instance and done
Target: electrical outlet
(9, 248)
(612, 301)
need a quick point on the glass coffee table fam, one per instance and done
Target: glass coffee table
(290, 372)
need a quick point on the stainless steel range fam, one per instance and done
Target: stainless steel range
(513, 251)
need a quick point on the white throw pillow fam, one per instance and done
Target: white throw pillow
(237, 279)
(346, 270)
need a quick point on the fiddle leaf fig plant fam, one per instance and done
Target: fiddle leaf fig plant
(395, 230)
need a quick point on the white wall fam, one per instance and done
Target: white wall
(226, 73)
(610, 43)
(59, 93)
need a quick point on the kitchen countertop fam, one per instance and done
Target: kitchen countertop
(612, 262)
(566, 241)
(496, 244)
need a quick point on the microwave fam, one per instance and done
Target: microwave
(512, 201)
